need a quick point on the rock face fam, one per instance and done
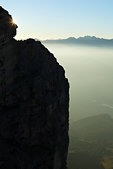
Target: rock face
(34, 102)
(7, 27)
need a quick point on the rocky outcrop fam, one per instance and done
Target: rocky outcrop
(7, 27)
(34, 102)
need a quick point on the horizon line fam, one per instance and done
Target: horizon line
(75, 38)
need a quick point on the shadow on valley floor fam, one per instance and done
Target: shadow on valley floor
(91, 143)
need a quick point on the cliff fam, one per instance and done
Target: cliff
(34, 102)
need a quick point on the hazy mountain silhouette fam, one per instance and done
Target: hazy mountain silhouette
(86, 40)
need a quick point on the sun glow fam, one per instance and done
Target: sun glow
(14, 21)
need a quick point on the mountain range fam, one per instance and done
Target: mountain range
(86, 40)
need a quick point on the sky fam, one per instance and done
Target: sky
(52, 19)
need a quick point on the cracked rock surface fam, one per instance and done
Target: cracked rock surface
(34, 103)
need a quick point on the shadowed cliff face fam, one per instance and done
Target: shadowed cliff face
(34, 102)
(7, 27)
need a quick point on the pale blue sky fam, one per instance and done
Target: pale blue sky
(50, 19)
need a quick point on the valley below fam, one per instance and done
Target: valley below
(91, 143)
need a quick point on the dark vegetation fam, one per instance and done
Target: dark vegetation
(91, 143)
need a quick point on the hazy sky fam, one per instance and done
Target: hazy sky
(49, 19)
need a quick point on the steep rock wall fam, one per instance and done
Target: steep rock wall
(34, 102)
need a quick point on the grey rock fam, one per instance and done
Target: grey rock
(34, 103)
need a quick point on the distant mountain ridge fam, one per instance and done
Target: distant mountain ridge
(86, 40)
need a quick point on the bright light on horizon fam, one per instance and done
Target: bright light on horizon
(14, 21)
